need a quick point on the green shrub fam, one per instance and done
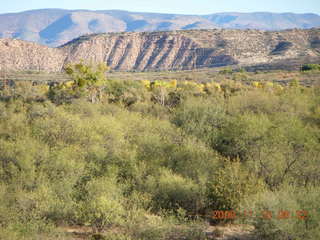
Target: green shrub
(301, 205)
(226, 70)
(201, 118)
(241, 134)
(171, 192)
(310, 67)
(127, 93)
(101, 205)
(257, 102)
(230, 185)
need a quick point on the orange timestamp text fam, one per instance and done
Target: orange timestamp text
(266, 214)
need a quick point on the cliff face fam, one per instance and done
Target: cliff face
(149, 51)
(166, 50)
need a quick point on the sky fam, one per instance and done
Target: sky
(169, 6)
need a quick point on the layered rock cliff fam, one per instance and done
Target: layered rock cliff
(166, 50)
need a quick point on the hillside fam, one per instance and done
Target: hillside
(53, 27)
(22, 55)
(168, 50)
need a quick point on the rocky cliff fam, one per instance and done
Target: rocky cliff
(166, 50)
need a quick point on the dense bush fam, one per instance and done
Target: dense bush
(146, 158)
(230, 185)
(172, 192)
(101, 205)
(294, 213)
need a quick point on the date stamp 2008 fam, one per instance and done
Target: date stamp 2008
(280, 215)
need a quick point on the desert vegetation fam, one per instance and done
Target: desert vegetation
(140, 159)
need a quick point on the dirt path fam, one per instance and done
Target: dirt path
(226, 232)
(230, 232)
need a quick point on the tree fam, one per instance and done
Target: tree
(88, 78)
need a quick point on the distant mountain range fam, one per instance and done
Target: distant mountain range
(54, 27)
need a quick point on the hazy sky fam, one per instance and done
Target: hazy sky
(169, 6)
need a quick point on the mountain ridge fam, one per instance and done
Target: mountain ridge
(55, 27)
(167, 50)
